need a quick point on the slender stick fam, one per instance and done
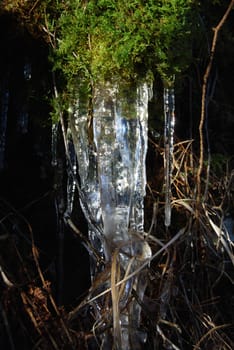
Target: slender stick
(203, 99)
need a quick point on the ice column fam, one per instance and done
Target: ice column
(169, 124)
(71, 174)
(54, 141)
(111, 146)
(89, 193)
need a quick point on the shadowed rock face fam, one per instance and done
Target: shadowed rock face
(24, 80)
(26, 174)
(24, 76)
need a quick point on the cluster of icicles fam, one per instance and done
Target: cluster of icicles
(107, 152)
(111, 149)
(106, 163)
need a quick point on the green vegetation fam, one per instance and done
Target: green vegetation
(97, 41)
(109, 40)
(190, 284)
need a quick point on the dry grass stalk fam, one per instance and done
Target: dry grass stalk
(115, 294)
(190, 277)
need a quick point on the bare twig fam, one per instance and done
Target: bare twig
(34, 6)
(5, 279)
(212, 330)
(203, 98)
(139, 269)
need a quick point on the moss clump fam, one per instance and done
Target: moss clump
(103, 40)
(106, 40)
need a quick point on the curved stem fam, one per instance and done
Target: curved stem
(203, 99)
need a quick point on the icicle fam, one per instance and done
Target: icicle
(27, 70)
(137, 211)
(111, 166)
(22, 122)
(3, 125)
(120, 133)
(87, 166)
(114, 166)
(228, 224)
(89, 194)
(54, 140)
(71, 175)
(169, 115)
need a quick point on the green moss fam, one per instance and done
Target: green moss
(107, 40)
(102, 40)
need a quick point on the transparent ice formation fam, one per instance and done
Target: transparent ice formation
(111, 147)
(228, 223)
(169, 125)
(71, 175)
(27, 71)
(54, 140)
(22, 122)
(89, 193)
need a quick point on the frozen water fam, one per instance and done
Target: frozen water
(169, 125)
(229, 226)
(120, 136)
(89, 193)
(27, 71)
(111, 168)
(71, 175)
(22, 122)
(54, 140)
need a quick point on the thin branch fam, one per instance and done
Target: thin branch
(212, 330)
(34, 6)
(203, 99)
(134, 273)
